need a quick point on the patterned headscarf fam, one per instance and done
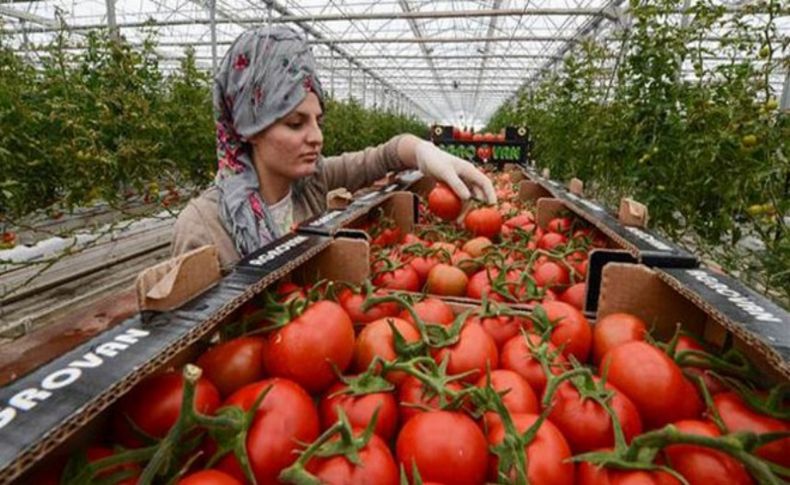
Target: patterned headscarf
(265, 74)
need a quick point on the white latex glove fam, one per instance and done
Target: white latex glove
(458, 174)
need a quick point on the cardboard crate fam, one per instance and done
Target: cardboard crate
(44, 409)
(714, 306)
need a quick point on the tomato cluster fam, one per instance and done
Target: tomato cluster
(381, 383)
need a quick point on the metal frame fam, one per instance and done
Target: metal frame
(440, 60)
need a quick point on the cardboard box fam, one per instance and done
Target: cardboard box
(44, 409)
(717, 308)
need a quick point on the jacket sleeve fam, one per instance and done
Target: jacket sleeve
(355, 170)
(195, 228)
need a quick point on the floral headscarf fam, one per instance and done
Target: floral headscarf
(265, 74)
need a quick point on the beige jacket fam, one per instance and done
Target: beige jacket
(199, 223)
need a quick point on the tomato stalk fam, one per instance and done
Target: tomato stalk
(368, 382)
(433, 376)
(772, 405)
(348, 446)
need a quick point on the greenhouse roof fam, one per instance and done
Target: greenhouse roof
(450, 61)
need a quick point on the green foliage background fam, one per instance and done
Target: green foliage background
(708, 155)
(103, 122)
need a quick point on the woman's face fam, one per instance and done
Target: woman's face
(290, 147)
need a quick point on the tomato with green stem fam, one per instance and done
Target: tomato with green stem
(233, 364)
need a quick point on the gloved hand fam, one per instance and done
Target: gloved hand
(455, 172)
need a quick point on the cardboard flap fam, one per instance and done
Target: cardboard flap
(545, 173)
(548, 209)
(632, 213)
(529, 190)
(338, 198)
(171, 283)
(576, 187)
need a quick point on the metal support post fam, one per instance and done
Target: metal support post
(111, 23)
(212, 12)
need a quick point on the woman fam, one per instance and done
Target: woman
(269, 105)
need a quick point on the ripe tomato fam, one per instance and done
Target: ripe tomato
(376, 339)
(443, 202)
(402, 278)
(446, 280)
(713, 384)
(388, 236)
(422, 265)
(703, 466)
(352, 304)
(501, 328)
(571, 329)
(480, 285)
(550, 274)
(652, 381)
(616, 329)
(476, 247)
(375, 466)
(414, 397)
(517, 356)
(586, 424)
(445, 447)
(737, 416)
(589, 474)
(485, 222)
(575, 296)
(518, 395)
(209, 477)
(155, 404)
(463, 260)
(548, 455)
(560, 225)
(551, 240)
(360, 409)
(285, 417)
(233, 364)
(303, 349)
(475, 350)
(430, 310)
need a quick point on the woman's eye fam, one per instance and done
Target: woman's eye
(294, 125)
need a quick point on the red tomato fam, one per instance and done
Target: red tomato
(463, 260)
(285, 418)
(360, 409)
(518, 395)
(414, 397)
(423, 265)
(402, 278)
(551, 240)
(431, 310)
(446, 280)
(616, 329)
(209, 477)
(704, 466)
(589, 474)
(445, 447)
(305, 348)
(155, 404)
(443, 202)
(485, 222)
(586, 424)
(375, 466)
(352, 304)
(388, 237)
(480, 285)
(737, 416)
(559, 225)
(476, 247)
(713, 384)
(652, 381)
(571, 329)
(475, 350)
(517, 356)
(551, 274)
(233, 364)
(575, 296)
(548, 455)
(376, 339)
(501, 328)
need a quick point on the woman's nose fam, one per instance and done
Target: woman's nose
(314, 135)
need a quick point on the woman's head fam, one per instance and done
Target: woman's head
(290, 147)
(268, 103)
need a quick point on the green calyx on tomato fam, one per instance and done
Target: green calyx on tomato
(338, 440)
